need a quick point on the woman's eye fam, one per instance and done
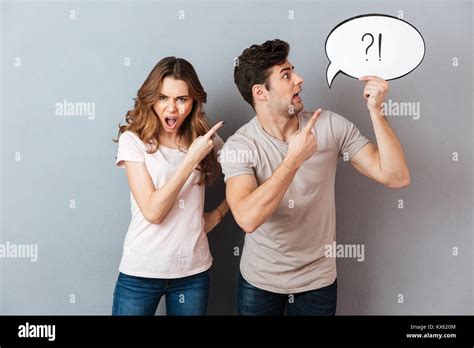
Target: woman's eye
(182, 100)
(285, 76)
(162, 97)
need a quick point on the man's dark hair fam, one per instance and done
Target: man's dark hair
(253, 66)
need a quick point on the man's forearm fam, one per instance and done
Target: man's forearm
(392, 160)
(260, 204)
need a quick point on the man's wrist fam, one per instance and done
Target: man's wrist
(290, 162)
(377, 114)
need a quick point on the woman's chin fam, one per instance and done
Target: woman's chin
(167, 130)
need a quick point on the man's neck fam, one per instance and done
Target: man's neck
(280, 127)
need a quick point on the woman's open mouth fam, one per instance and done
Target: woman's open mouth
(171, 122)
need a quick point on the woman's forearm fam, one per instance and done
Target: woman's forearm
(162, 200)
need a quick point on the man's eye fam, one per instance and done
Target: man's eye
(286, 76)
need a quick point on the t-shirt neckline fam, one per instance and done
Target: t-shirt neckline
(271, 136)
(170, 148)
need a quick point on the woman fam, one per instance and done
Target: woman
(169, 153)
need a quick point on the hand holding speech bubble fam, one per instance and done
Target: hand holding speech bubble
(373, 44)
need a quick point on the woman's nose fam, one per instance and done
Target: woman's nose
(171, 105)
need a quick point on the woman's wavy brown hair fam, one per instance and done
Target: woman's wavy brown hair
(144, 122)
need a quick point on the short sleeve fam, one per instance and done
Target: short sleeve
(348, 138)
(237, 157)
(130, 148)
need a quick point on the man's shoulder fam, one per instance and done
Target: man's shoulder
(246, 134)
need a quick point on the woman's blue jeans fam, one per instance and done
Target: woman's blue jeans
(141, 296)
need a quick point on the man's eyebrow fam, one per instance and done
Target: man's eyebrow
(287, 68)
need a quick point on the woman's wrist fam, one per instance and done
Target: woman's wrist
(189, 164)
(221, 216)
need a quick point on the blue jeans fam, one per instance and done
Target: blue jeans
(141, 296)
(254, 301)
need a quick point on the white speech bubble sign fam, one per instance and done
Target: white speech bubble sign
(373, 44)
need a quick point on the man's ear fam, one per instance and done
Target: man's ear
(259, 92)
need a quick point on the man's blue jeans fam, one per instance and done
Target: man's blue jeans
(141, 296)
(254, 301)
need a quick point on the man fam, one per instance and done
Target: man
(282, 192)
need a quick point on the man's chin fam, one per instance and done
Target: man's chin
(295, 109)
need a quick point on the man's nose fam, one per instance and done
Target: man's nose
(298, 79)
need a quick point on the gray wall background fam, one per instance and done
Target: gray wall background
(49, 160)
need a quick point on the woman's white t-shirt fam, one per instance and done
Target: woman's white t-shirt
(178, 246)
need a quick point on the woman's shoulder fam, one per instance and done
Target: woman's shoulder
(128, 135)
(130, 138)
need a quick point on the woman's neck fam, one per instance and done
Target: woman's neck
(172, 140)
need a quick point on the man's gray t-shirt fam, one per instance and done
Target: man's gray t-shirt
(286, 254)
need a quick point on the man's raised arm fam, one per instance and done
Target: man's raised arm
(252, 205)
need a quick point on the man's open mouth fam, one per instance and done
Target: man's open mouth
(297, 95)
